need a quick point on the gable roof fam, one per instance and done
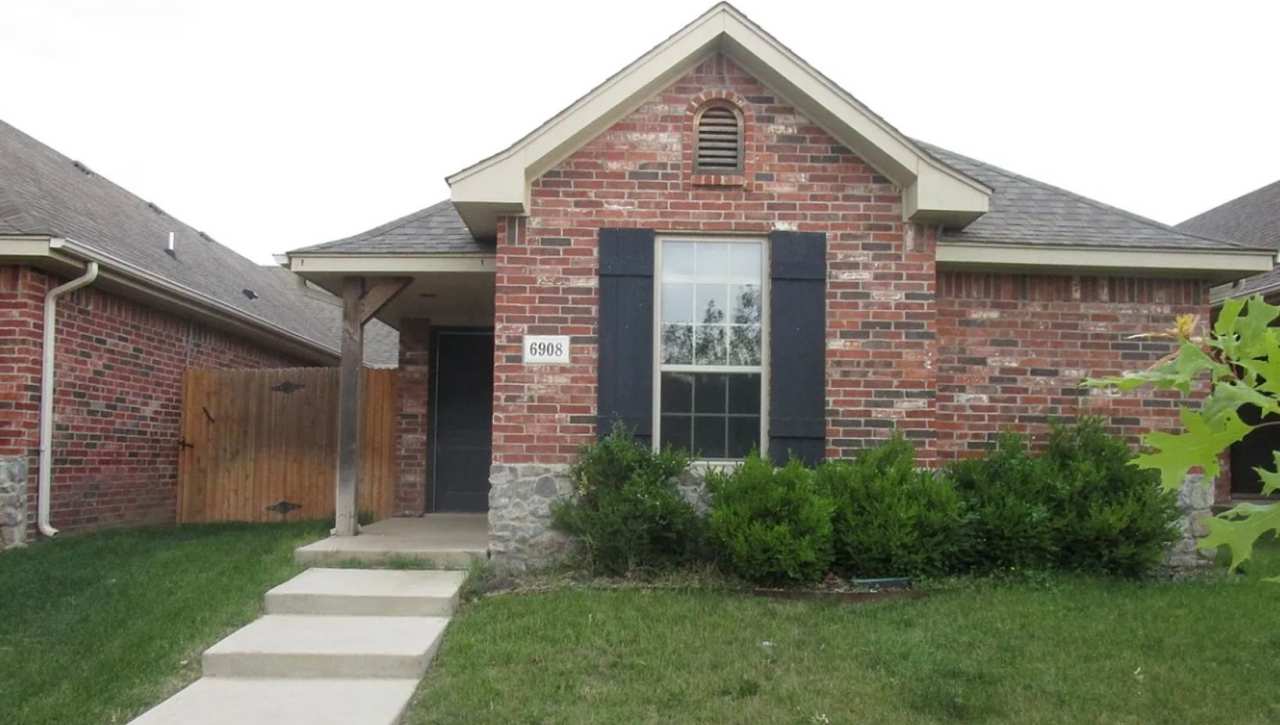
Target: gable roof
(435, 230)
(1252, 219)
(933, 192)
(46, 194)
(1026, 211)
(991, 218)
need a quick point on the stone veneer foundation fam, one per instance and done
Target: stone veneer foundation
(520, 496)
(1195, 503)
(13, 501)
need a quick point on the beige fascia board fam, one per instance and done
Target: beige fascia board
(1207, 264)
(179, 299)
(605, 98)
(481, 217)
(503, 180)
(389, 264)
(20, 246)
(934, 199)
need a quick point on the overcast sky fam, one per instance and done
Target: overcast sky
(273, 125)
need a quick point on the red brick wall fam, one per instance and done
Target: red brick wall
(21, 300)
(1013, 348)
(950, 359)
(411, 417)
(638, 173)
(117, 407)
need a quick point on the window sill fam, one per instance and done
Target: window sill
(722, 180)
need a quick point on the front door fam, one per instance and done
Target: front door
(462, 416)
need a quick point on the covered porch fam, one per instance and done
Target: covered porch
(425, 276)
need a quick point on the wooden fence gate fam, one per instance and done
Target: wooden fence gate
(252, 439)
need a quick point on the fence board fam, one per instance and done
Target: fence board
(252, 438)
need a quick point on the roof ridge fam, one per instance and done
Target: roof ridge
(1084, 199)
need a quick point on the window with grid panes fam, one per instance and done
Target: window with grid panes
(710, 349)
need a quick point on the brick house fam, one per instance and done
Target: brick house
(1252, 219)
(723, 249)
(158, 297)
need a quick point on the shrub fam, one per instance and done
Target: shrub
(770, 525)
(892, 519)
(1079, 506)
(627, 513)
(1007, 505)
(1112, 517)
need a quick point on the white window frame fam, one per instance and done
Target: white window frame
(659, 367)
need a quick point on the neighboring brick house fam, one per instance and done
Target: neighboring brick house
(1252, 219)
(124, 341)
(721, 248)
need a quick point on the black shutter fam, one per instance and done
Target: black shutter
(624, 382)
(797, 346)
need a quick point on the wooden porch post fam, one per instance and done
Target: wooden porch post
(361, 300)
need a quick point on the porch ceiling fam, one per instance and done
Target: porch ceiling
(454, 299)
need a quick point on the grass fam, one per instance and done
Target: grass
(1060, 650)
(97, 628)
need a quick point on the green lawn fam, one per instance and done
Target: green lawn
(1065, 651)
(97, 628)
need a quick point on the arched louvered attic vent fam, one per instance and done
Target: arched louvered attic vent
(719, 140)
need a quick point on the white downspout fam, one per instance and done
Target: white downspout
(46, 393)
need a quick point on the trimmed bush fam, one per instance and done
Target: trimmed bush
(627, 514)
(1079, 506)
(890, 518)
(1112, 517)
(770, 525)
(1008, 508)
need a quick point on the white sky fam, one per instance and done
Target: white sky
(273, 125)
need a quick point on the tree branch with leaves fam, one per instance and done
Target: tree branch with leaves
(1238, 363)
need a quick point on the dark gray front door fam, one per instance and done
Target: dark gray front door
(461, 426)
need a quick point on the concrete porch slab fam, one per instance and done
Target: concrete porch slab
(450, 541)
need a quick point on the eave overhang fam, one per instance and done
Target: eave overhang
(67, 258)
(1214, 265)
(356, 263)
(933, 193)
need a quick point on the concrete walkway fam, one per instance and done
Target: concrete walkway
(336, 646)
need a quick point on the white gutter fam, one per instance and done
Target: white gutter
(46, 393)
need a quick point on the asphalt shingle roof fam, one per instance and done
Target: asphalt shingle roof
(1250, 219)
(1026, 211)
(42, 192)
(435, 230)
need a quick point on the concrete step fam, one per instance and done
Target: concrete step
(377, 551)
(294, 645)
(233, 701)
(368, 592)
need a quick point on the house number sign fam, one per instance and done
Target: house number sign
(546, 349)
